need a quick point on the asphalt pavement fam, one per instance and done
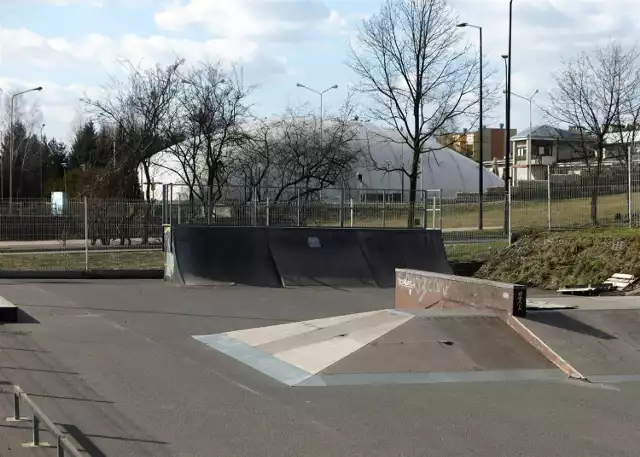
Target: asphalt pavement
(115, 365)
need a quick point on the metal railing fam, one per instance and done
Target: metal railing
(62, 442)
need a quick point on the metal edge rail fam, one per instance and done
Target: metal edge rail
(62, 443)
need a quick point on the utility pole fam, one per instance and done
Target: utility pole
(481, 152)
(11, 141)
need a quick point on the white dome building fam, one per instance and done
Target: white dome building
(441, 168)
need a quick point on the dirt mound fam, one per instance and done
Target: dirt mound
(552, 260)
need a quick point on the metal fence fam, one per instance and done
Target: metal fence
(82, 234)
(99, 234)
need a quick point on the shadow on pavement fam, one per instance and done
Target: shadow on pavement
(565, 322)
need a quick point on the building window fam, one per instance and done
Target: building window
(521, 152)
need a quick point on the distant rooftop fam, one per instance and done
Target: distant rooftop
(546, 132)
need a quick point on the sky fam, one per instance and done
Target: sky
(73, 47)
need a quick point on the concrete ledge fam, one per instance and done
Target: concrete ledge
(423, 289)
(81, 274)
(8, 311)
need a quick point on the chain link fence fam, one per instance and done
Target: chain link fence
(103, 234)
(82, 234)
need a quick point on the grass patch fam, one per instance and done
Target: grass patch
(574, 212)
(98, 260)
(551, 260)
(473, 251)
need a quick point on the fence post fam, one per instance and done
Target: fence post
(549, 196)
(209, 192)
(255, 206)
(170, 203)
(36, 430)
(86, 234)
(267, 211)
(433, 216)
(342, 202)
(441, 209)
(351, 212)
(630, 204)
(384, 205)
(16, 406)
(298, 206)
(425, 214)
(509, 212)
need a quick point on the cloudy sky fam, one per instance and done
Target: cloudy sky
(70, 47)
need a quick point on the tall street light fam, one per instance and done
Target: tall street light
(530, 143)
(11, 135)
(481, 153)
(507, 152)
(321, 94)
(42, 149)
(507, 134)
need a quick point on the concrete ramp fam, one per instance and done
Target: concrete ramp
(388, 347)
(320, 257)
(601, 345)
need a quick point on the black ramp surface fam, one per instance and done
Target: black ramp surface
(206, 255)
(388, 249)
(319, 257)
(594, 342)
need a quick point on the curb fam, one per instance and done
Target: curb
(82, 274)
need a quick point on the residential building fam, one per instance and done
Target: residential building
(468, 143)
(533, 151)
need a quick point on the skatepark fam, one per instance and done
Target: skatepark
(317, 360)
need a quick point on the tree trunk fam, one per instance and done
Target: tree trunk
(595, 190)
(413, 186)
(147, 210)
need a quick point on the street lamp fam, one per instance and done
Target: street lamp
(42, 149)
(321, 94)
(530, 144)
(507, 135)
(481, 152)
(507, 152)
(11, 135)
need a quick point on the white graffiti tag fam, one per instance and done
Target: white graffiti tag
(406, 284)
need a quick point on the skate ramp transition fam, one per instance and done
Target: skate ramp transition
(293, 256)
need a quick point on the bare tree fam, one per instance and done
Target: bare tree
(286, 157)
(205, 124)
(414, 65)
(591, 95)
(624, 134)
(139, 108)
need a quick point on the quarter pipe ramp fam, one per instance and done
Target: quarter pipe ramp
(294, 256)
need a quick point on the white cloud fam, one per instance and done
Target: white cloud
(67, 69)
(252, 19)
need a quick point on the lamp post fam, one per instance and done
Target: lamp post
(11, 135)
(42, 149)
(321, 94)
(507, 152)
(481, 152)
(530, 142)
